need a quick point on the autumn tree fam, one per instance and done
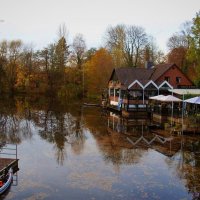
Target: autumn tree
(178, 45)
(97, 71)
(178, 56)
(25, 68)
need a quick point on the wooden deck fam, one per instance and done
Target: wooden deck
(6, 163)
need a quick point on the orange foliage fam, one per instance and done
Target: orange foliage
(97, 71)
(178, 56)
(21, 77)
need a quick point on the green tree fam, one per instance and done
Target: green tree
(194, 49)
(61, 54)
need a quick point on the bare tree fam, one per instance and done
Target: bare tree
(136, 40)
(177, 40)
(115, 40)
(178, 45)
(62, 31)
(3, 49)
(14, 52)
(126, 44)
(180, 39)
(79, 49)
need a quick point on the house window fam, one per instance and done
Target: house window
(178, 79)
(167, 78)
(111, 92)
(117, 92)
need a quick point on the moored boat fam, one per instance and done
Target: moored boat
(6, 181)
(91, 104)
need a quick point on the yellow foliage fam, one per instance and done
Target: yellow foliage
(97, 71)
(20, 77)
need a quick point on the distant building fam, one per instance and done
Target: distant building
(130, 88)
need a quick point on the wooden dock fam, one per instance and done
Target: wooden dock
(7, 163)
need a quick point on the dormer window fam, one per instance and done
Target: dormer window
(167, 78)
(178, 79)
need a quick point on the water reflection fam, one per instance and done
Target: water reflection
(102, 145)
(61, 128)
(182, 152)
(14, 125)
(55, 124)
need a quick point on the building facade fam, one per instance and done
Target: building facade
(130, 88)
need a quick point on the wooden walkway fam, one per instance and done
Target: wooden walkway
(6, 163)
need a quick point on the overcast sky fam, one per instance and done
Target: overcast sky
(37, 21)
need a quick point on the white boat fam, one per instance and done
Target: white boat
(6, 181)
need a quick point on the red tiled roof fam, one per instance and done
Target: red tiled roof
(160, 70)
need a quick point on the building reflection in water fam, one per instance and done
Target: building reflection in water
(182, 151)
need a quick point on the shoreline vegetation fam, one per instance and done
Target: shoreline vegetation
(70, 70)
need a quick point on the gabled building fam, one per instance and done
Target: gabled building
(130, 88)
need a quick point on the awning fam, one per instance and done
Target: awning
(168, 98)
(156, 97)
(185, 91)
(195, 100)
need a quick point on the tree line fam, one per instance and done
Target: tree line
(184, 48)
(71, 70)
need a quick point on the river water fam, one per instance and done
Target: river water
(67, 151)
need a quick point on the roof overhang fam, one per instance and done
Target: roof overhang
(185, 91)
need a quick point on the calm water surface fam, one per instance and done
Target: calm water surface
(67, 151)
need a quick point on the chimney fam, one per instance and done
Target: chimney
(149, 64)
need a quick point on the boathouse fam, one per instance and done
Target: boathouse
(129, 88)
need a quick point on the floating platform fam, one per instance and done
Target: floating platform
(7, 163)
(135, 114)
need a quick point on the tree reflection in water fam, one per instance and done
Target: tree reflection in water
(14, 125)
(186, 162)
(61, 129)
(57, 124)
(65, 126)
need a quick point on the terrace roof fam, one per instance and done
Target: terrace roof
(185, 91)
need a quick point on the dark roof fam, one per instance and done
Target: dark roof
(127, 75)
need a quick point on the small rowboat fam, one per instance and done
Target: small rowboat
(91, 104)
(6, 182)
